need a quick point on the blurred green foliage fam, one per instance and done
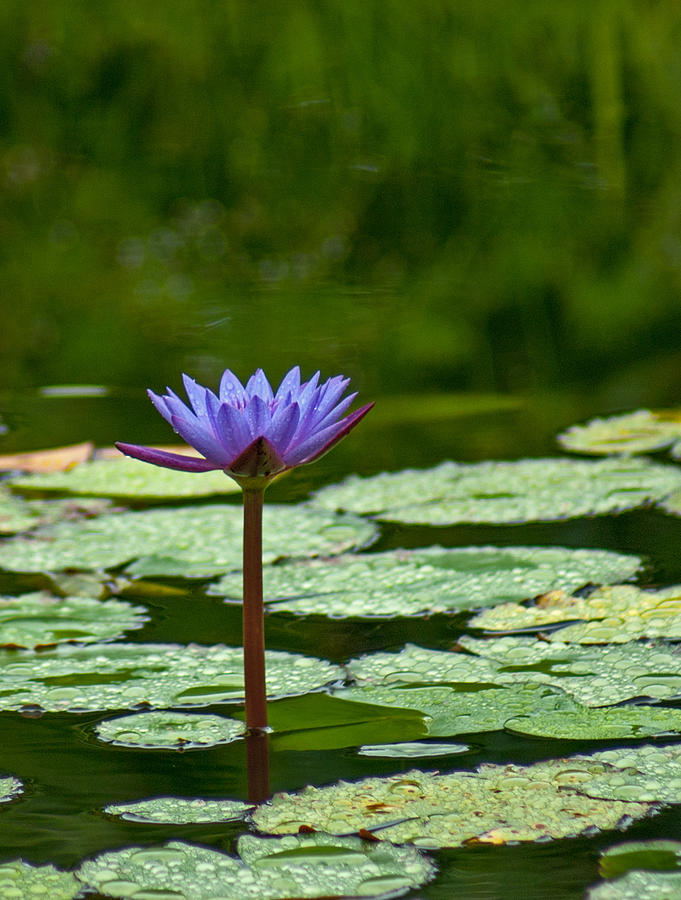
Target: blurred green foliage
(450, 194)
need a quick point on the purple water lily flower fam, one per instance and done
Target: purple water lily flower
(251, 432)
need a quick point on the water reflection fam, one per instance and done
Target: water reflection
(258, 766)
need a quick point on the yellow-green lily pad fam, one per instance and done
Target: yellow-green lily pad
(641, 431)
(528, 490)
(19, 515)
(179, 810)
(430, 580)
(610, 723)
(644, 773)
(315, 865)
(639, 885)
(160, 730)
(20, 879)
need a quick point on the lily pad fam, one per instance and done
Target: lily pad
(169, 730)
(609, 615)
(39, 619)
(313, 865)
(191, 541)
(10, 788)
(494, 804)
(432, 580)
(126, 676)
(614, 723)
(528, 490)
(657, 855)
(594, 676)
(411, 750)
(637, 885)
(21, 879)
(179, 810)
(645, 773)
(127, 478)
(637, 432)
(18, 515)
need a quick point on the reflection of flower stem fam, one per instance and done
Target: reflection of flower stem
(258, 766)
(253, 618)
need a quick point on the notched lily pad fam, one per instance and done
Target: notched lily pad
(432, 580)
(126, 676)
(192, 541)
(615, 614)
(636, 432)
(494, 804)
(126, 478)
(169, 730)
(528, 490)
(39, 619)
(315, 865)
(179, 810)
(19, 879)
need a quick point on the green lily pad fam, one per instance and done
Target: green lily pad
(582, 723)
(637, 432)
(462, 711)
(129, 479)
(594, 676)
(169, 730)
(528, 490)
(17, 514)
(645, 773)
(653, 855)
(609, 615)
(313, 865)
(125, 676)
(432, 580)
(494, 804)
(191, 541)
(411, 750)
(638, 885)
(179, 810)
(10, 788)
(19, 879)
(39, 619)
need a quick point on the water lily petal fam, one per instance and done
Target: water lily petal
(197, 435)
(232, 430)
(259, 386)
(283, 427)
(166, 459)
(161, 405)
(197, 395)
(324, 440)
(231, 389)
(289, 387)
(258, 416)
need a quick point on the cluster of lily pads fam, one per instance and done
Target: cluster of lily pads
(561, 645)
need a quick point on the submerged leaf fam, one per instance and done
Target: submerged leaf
(179, 811)
(315, 865)
(505, 492)
(169, 730)
(206, 540)
(431, 580)
(636, 432)
(19, 879)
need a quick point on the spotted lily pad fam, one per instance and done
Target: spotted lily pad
(179, 811)
(639, 885)
(645, 773)
(196, 540)
(19, 879)
(594, 676)
(609, 615)
(637, 432)
(582, 723)
(315, 865)
(126, 478)
(494, 804)
(505, 492)
(432, 580)
(169, 730)
(125, 676)
(39, 619)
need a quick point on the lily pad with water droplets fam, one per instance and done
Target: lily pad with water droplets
(636, 432)
(614, 614)
(639, 885)
(315, 865)
(19, 879)
(127, 479)
(19, 515)
(193, 541)
(431, 580)
(655, 855)
(125, 676)
(528, 490)
(39, 619)
(494, 804)
(169, 730)
(584, 724)
(179, 810)
(646, 773)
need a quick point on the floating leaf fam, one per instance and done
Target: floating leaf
(197, 540)
(412, 750)
(313, 865)
(645, 773)
(179, 811)
(19, 879)
(494, 804)
(505, 492)
(636, 432)
(17, 514)
(432, 580)
(53, 460)
(127, 478)
(10, 788)
(639, 886)
(124, 676)
(657, 855)
(594, 676)
(169, 730)
(582, 723)
(610, 615)
(38, 619)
